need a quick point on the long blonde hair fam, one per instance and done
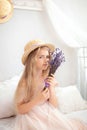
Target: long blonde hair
(27, 79)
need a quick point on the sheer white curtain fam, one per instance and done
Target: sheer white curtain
(72, 35)
(82, 71)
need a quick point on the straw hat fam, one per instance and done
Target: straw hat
(6, 10)
(32, 45)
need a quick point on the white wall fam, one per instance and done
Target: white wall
(26, 25)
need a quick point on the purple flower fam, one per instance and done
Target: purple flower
(57, 57)
(46, 84)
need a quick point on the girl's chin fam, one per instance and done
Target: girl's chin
(45, 68)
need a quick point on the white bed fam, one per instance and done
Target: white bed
(71, 103)
(82, 115)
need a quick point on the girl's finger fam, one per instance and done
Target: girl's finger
(52, 75)
(46, 90)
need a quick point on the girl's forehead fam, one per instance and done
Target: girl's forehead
(43, 50)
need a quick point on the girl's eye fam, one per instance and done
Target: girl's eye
(48, 57)
(40, 57)
(43, 57)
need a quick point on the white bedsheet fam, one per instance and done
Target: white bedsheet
(82, 115)
(5, 124)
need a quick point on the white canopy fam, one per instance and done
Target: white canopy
(71, 32)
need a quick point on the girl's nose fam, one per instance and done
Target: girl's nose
(47, 60)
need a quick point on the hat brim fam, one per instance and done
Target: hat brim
(26, 53)
(5, 19)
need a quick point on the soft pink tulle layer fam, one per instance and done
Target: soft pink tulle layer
(46, 117)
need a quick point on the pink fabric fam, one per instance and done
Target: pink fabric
(46, 117)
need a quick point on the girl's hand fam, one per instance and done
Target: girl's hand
(42, 96)
(51, 81)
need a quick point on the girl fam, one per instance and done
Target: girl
(37, 107)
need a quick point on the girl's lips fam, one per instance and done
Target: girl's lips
(45, 64)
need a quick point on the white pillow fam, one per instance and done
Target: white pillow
(7, 90)
(70, 99)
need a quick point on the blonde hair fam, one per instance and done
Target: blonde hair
(27, 79)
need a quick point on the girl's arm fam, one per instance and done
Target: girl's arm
(41, 97)
(52, 83)
(53, 99)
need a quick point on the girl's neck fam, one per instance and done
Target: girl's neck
(38, 74)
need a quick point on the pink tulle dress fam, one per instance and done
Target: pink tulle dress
(46, 117)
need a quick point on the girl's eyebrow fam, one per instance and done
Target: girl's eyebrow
(44, 55)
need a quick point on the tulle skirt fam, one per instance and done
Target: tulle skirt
(46, 117)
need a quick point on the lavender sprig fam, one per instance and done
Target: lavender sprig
(57, 57)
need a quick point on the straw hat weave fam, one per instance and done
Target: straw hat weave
(32, 45)
(6, 10)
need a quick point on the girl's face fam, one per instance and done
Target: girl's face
(42, 60)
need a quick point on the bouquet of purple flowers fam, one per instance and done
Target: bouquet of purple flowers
(57, 57)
